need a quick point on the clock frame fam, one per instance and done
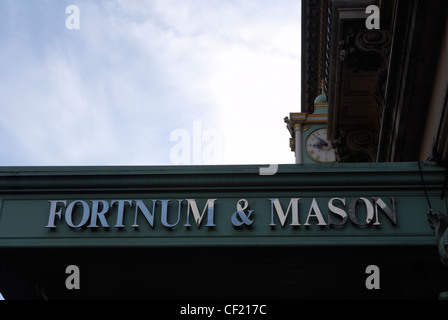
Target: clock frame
(318, 147)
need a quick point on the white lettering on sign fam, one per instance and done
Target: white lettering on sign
(361, 211)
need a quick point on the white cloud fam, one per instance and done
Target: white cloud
(244, 61)
(113, 91)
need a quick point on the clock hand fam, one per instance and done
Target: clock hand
(322, 142)
(319, 145)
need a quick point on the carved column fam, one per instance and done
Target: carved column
(298, 140)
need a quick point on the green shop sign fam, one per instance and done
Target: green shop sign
(329, 204)
(95, 213)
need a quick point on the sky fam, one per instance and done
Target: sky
(162, 82)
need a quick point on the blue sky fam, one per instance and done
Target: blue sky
(141, 81)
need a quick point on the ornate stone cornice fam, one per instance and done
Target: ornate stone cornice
(314, 31)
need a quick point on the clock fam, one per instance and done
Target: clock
(318, 147)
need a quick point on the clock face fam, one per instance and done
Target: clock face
(318, 146)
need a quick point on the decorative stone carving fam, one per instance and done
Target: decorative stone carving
(367, 50)
(288, 126)
(355, 146)
(439, 223)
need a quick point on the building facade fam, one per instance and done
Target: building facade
(383, 68)
(368, 221)
(385, 82)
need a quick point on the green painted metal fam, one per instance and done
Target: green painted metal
(25, 193)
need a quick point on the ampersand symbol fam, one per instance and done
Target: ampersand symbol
(239, 217)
